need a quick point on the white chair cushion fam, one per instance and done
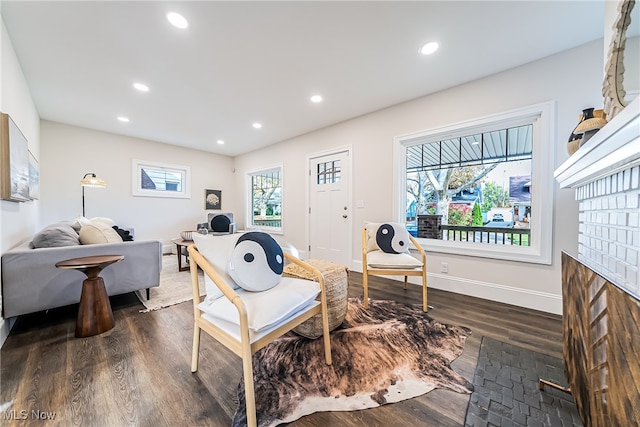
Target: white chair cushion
(234, 329)
(379, 259)
(268, 308)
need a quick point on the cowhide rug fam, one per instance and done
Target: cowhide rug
(388, 353)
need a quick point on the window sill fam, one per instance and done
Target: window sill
(529, 254)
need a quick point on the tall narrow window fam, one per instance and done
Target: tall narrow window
(265, 189)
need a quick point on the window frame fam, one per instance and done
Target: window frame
(278, 167)
(543, 160)
(136, 178)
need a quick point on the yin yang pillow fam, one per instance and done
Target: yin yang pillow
(392, 238)
(256, 262)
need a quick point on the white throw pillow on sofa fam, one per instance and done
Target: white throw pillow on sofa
(98, 232)
(103, 219)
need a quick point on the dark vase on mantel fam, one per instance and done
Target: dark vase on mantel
(592, 122)
(583, 131)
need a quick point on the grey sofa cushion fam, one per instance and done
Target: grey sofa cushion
(56, 235)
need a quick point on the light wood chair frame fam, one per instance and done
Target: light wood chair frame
(244, 347)
(406, 272)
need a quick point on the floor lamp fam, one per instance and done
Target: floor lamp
(90, 180)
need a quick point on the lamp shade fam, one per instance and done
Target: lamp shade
(91, 180)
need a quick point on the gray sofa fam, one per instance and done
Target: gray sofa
(31, 282)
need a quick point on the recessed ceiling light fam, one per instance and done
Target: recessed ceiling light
(123, 119)
(177, 20)
(220, 142)
(429, 48)
(141, 87)
(316, 98)
(257, 125)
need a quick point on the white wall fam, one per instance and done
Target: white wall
(17, 220)
(69, 152)
(572, 79)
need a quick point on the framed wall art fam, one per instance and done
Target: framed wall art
(14, 162)
(34, 178)
(213, 199)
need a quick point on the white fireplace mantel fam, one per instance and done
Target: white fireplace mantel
(614, 147)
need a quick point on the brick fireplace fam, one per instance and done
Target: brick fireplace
(601, 288)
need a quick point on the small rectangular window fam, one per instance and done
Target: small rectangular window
(328, 172)
(152, 179)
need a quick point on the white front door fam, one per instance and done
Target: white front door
(330, 207)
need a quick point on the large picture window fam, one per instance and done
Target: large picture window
(160, 180)
(265, 199)
(481, 188)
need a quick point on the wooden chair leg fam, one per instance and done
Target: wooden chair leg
(325, 336)
(249, 395)
(425, 307)
(196, 348)
(365, 285)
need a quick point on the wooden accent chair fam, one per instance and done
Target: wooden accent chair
(391, 260)
(241, 337)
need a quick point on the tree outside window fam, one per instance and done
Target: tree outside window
(266, 199)
(468, 180)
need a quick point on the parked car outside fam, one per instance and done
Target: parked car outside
(498, 221)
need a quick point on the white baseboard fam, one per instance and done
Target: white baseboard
(527, 298)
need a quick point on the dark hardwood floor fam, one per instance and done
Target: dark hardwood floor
(139, 372)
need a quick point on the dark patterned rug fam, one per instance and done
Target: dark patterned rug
(507, 392)
(388, 353)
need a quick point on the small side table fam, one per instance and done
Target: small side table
(181, 249)
(94, 313)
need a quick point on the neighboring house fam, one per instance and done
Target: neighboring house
(520, 197)
(468, 197)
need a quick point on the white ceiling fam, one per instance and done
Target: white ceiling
(241, 62)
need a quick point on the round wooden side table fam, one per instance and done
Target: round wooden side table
(94, 313)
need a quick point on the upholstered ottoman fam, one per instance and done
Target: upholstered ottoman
(335, 281)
